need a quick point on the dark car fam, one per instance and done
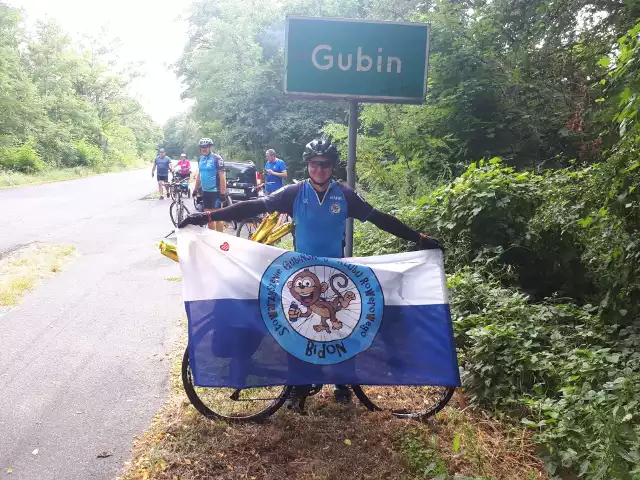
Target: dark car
(242, 178)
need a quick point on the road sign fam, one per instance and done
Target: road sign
(336, 58)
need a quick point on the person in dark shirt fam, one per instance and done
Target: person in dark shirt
(319, 207)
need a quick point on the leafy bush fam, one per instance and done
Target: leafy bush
(543, 297)
(23, 158)
(87, 154)
(568, 375)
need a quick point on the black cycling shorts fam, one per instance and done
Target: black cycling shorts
(211, 200)
(163, 178)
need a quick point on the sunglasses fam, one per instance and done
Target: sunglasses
(322, 165)
(204, 148)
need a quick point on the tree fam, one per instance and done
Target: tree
(64, 105)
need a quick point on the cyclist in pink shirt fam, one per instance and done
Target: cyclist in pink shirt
(184, 166)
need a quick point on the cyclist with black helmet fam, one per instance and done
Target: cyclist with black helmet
(212, 179)
(319, 207)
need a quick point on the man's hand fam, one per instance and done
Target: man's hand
(429, 243)
(195, 219)
(270, 172)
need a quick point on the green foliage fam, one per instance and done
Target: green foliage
(66, 101)
(88, 154)
(23, 158)
(568, 375)
(421, 453)
(544, 301)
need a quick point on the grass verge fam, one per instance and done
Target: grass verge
(152, 196)
(331, 442)
(22, 269)
(17, 179)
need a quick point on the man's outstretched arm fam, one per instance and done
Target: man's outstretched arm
(360, 209)
(281, 201)
(392, 225)
(237, 211)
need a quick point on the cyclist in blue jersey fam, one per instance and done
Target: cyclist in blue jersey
(212, 178)
(276, 171)
(319, 207)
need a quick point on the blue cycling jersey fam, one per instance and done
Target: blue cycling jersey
(162, 164)
(273, 181)
(209, 167)
(319, 219)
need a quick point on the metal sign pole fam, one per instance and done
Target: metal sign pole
(351, 169)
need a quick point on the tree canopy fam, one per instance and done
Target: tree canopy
(64, 105)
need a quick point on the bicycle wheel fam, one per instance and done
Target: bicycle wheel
(246, 228)
(411, 402)
(232, 405)
(178, 211)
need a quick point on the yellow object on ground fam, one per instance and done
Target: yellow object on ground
(169, 249)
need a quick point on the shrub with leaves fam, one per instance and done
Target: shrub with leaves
(23, 158)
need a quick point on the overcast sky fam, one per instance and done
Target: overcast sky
(150, 31)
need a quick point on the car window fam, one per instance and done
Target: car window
(241, 173)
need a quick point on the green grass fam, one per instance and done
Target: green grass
(16, 179)
(286, 242)
(420, 450)
(21, 270)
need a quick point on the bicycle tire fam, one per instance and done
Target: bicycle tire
(200, 406)
(197, 205)
(176, 216)
(441, 401)
(247, 223)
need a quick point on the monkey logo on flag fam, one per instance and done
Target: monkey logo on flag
(321, 310)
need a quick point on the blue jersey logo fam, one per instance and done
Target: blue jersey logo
(321, 310)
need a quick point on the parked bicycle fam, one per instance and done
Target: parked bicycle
(254, 404)
(177, 210)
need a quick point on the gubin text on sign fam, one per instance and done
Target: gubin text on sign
(356, 60)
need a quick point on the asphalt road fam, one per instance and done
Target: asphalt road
(82, 359)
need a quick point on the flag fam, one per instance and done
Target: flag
(259, 315)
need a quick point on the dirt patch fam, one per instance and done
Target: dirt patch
(331, 442)
(152, 196)
(23, 268)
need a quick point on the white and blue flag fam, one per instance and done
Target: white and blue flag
(259, 315)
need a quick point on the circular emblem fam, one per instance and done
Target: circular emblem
(335, 208)
(321, 310)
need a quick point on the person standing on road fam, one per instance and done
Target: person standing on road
(320, 207)
(276, 172)
(213, 180)
(163, 164)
